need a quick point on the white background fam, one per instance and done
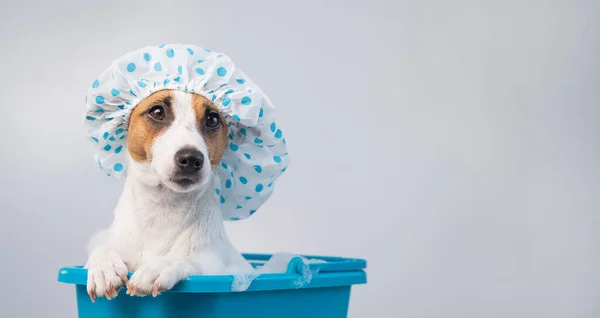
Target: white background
(452, 144)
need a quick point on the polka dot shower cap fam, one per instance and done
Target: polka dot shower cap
(256, 153)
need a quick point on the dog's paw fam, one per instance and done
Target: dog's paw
(106, 274)
(153, 278)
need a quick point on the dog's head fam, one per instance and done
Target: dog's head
(176, 139)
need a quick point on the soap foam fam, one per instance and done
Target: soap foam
(277, 264)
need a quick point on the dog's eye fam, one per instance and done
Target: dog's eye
(157, 112)
(213, 120)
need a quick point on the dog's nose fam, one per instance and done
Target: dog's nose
(189, 160)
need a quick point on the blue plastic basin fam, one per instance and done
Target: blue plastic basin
(269, 296)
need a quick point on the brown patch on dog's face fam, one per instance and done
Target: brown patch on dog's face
(212, 126)
(150, 118)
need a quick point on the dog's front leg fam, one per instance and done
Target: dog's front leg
(156, 275)
(107, 272)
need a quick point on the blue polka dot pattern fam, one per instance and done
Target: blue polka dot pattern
(170, 53)
(221, 71)
(256, 155)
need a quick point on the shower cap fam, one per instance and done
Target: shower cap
(256, 153)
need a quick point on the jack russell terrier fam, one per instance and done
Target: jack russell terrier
(167, 224)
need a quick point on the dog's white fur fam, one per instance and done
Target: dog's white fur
(162, 232)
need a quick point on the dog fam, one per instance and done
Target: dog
(167, 224)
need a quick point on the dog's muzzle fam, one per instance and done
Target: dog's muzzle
(188, 162)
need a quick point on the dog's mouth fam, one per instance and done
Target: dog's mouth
(186, 181)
